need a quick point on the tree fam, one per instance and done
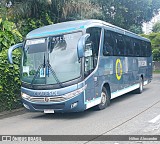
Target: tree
(155, 42)
(136, 29)
(156, 27)
(29, 8)
(9, 74)
(129, 13)
(156, 54)
(30, 14)
(3, 9)
(80, 9)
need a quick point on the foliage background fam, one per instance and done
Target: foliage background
(18, 17)
(155, 41)
(9, 74)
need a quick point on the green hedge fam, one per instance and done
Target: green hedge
(9, 74)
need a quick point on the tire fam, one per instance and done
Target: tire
(140, 89)
(105, 100)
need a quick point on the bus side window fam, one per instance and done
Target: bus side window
(137, 48)
(88, 56)
(129, 46)
(120, 47)
(143, 49)
(108, 44)
(149, 51)
(92, 49)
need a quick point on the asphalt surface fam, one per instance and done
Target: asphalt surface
(130, 114)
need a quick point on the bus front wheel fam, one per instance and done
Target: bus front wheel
(105, 100)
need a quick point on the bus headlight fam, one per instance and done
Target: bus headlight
(74, 93)
(25, 96)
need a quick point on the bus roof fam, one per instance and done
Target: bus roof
(59, 28)
(71, 26)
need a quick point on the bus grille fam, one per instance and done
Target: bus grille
(46, 99)
(49, 106)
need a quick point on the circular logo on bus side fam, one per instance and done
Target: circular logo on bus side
(118, 69)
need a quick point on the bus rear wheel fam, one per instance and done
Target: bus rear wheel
(105, 100)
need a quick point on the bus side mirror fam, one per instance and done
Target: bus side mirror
(12, 48)
(81, 45)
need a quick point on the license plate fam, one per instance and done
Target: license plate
(48, 111)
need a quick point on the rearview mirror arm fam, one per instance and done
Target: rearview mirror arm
(81, 45)
(12, 48)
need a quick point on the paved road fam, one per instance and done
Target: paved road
(130, 114)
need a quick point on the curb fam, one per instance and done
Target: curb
(11, 113)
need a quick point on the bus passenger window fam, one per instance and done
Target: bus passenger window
(129, 47)
(120, 46)
(149, 51)
(137, 48)
(143, 49)
(108, 44)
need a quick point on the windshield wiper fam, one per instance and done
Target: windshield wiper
(49, 67)
(41, 66)
(35, 76)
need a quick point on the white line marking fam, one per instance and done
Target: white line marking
(155, 119)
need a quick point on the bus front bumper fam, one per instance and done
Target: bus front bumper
(75, 104)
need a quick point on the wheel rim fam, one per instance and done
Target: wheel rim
(103, 98)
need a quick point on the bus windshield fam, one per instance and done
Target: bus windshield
(52, 60)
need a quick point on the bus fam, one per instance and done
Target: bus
(73, 66)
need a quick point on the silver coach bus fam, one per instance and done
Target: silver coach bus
(76, 65)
